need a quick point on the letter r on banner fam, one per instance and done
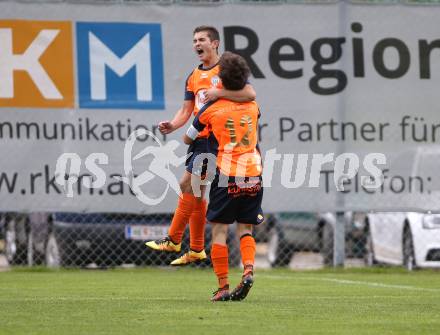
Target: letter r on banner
(36, 64)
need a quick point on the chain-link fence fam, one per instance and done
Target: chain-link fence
(74, 239)
(102, 240)
(298, 240)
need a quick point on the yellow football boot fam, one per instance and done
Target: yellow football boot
(164, 244)
(190, 257)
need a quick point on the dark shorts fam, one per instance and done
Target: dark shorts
(194, 166)
(234, 203)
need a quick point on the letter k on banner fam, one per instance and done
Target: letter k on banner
(36, 64)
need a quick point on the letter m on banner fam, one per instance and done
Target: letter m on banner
(36, 64)
(120, 65)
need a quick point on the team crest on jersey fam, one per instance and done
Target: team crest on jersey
(215, 81)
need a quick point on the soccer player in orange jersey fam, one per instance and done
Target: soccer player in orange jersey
(236, 191)
(203, 85)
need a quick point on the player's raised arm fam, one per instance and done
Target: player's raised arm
(180, 118)
(244, 95)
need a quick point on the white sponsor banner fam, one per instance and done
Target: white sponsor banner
(331, 80)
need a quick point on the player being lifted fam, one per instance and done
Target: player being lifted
(203, 85)
(236, 191)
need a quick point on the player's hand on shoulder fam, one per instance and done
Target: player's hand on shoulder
(212, 94)
(166, 127)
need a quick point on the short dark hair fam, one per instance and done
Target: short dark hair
(212, 32)
(234, 71)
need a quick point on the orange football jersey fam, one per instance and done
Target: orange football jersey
(198, 82)
(234, 128)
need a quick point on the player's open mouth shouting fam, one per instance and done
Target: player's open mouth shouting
(203, 46)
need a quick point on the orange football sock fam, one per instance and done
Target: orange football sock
(181, 217)
(219, 258)
(247, 250)
(197, 223)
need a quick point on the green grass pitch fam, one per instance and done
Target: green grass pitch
(176, 301)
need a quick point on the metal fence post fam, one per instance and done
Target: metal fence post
(339, 240)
